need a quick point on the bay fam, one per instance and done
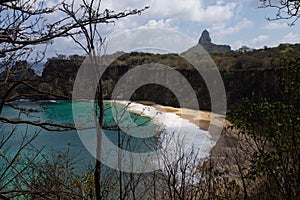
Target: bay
(60, 112)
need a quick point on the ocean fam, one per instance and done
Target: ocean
(59, 112)
(171, 129)
(174, 134)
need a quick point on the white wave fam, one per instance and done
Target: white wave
(47, 101)
(22, 100)
(178, 133)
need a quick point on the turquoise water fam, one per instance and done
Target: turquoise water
(60, 112)
(55, 144)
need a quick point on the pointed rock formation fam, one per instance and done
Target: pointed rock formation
(205, 42)
(205, 38)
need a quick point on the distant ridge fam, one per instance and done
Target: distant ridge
(206, 43)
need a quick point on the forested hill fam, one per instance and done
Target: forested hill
(246, 74)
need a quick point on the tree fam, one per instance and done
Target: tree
(25, 24)
(274, 127)
(286, 9)
(92, 46)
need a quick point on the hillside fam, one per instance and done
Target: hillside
(245, 75)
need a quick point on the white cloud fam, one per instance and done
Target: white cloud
(237, 44)
(188, 10)
(64, 45)
(162, 23)
(266, 40)
(256, 42)
(234, 22)
(291, 38)
(172, 14)
(149, 38)
(221, 30)
(194, 10)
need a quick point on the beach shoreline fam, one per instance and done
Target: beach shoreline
(200, 129)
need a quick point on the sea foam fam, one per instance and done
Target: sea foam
(179, 136)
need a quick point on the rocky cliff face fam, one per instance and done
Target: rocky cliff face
(245, 75)
(20, 71)
(59, 76)
(16, 74)
(253, 84)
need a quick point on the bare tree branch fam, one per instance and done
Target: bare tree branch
(286, 9)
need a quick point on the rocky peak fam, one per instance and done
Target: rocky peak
(205, 38)
(205, 42)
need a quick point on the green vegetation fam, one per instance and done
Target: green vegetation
(34, 175)
(274, 127)
(264, 163)
(266, 58)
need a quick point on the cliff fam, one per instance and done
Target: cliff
(14, 75)
(59, 76)
(245, 75)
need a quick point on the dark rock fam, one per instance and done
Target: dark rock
(205, 42)
(20, 71)
(205, 38)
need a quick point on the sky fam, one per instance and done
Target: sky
(232, 22)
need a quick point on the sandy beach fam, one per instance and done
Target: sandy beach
(201, 118)
(214, 124)
(198, 117)
(204, 121)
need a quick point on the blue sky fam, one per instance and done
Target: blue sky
(232, 22)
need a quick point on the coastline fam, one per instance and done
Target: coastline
(194, 129)
(199, 117)
(201, 128)
(203, 119)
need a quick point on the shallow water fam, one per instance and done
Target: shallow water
(60, 112)
(57, 142)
